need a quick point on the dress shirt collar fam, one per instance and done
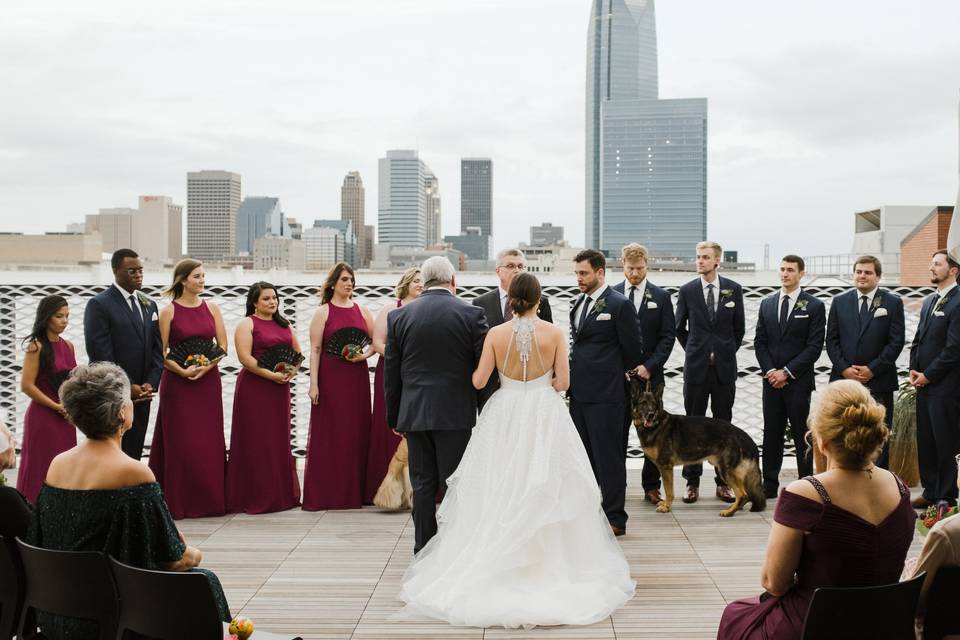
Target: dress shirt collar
(704, 284)
(126, 294)
(793, 295)
(870, 296)
(440, 287)
(943, 292)
(596, 294)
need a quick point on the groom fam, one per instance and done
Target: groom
(433, 346)
(606, 344)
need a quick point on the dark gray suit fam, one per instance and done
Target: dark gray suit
(490, 303)
(433, 347)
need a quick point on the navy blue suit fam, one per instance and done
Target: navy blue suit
(795, 348)
(876, 344)
(112, 334)
(606, 345)
(658, 333)
(710, 348)
(935, 353)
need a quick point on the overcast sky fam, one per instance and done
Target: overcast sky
(817, 108)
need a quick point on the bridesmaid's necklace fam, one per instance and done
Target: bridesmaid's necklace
(867, 470)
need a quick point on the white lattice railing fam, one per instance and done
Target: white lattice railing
(18, 307)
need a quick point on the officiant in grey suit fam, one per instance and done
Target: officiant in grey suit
(433, 346)
(510, 262)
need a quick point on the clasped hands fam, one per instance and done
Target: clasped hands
(141, 392)
(917, 379)
(777, 378)
(859, 372)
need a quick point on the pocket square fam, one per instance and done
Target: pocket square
(801, 317)
(730, 305)
(879, 313)
(651, 305)
(153, 318)
(939, 314)
(603, 316)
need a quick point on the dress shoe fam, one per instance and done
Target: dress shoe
(921, 503)
(617, 531)
(726, 494)
(693, 494)
(771, 494)
(653, 496)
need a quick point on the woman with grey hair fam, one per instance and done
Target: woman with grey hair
(96, 498)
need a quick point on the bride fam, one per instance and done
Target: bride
(522, 538)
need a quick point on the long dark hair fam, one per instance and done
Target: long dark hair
(253, 296)
(181, 271)
(326, 294)
(45, 310)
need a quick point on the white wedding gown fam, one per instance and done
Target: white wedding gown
(522, 539)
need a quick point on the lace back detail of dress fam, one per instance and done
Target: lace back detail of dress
(523, 343)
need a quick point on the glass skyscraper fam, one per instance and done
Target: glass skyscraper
(402, 213)
(628, 200)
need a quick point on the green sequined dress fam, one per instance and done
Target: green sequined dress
(131, 524)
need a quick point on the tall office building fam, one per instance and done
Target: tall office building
(257, 217)
(627, 126)
(476, 195)
(402, 199)
(352, 208)
(115, 226)
(213, 198)
(546, 235)
(431, 188)
(328, 242)
(158, 230)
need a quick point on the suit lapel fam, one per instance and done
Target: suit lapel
(702, 301)
(591, 316)
(793, 312)
(497, 309)
(870, 310)
(140, 332)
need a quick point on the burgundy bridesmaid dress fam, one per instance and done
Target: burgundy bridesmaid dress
(840, 550)
(188, 455)
(339, 425)
(383, 441)
(46, 433)
(260, 436)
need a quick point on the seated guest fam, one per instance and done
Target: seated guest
(15, 511)
(850, 526)
(96, 498)
(940, 549)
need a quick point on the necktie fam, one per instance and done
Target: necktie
(864, 311)
(137, 319)
(784, 308)
(711, 303)
(583, 312)
(633, 295)
(507, 311)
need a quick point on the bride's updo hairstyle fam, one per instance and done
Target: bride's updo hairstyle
(849, 419)
(524, 293)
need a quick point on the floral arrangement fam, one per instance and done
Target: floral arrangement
(240, 629)
(145, 301)
(197, 359)
(939, 306)
(933, 515)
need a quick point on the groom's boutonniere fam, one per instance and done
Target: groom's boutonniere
(801, 305)
(144, 300)
(599, 307)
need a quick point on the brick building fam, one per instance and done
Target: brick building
(918, 246)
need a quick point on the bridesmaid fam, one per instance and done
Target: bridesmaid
(188, 455)
(260, 437)
(48, 358)
(340, 393)
(383, 441)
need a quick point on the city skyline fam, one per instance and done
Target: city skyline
(816, 111)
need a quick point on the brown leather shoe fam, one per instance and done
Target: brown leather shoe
(653, 496)
(726, 494)
(617, 531)
(693, 494)
(921, 503)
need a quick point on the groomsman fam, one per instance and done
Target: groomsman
(433, 346)
(865, 335)
(510, 262)
(935, 372)
(710, 328)
(789, 339)
(606, 344)
(654, 310)
(120, 325)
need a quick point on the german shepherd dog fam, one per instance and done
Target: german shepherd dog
(670, 440)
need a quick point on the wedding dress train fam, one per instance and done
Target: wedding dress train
(522, 539)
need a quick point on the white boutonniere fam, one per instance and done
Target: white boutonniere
(144, 300)
(599, 306)
(937, 308)
(648, 298)
(801, 305)
(725, 293)
(876, 303)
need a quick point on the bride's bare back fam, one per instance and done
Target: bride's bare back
(547, 350)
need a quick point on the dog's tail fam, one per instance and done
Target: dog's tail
(754, 489)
